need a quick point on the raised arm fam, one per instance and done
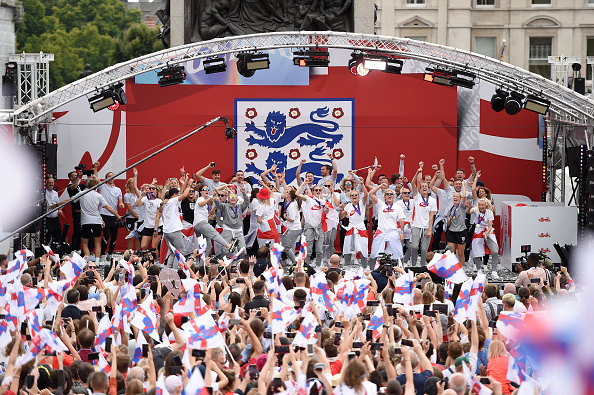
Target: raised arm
(298, 172)
(299, 194)
(401, 167)
(432, 183)
(414, 180)
(472, 168)
(199, 173)
(473, 186)
(334, 165)
(370, 173)
(374, 199)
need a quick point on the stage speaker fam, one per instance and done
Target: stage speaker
(573, 160)
(51, 159)
(579, 85)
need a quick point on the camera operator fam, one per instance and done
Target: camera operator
(91, 220)
(113, 197)
(533, 272)
(53, 227)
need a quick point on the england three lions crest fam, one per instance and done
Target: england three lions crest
(287, 132)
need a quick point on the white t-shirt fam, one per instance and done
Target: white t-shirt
(407, 209)
(388, 216)
(51, 198)
(442, 201)
(172, 216)
(201, 212)
(150, 212)
(481, 220)
(356, 214)
(380, 195)
(422, 208)
(312, 210)
(265, 211)
(112, 195)
(89, 207)
(292, 212)
(132, 198)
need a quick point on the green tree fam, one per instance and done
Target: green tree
(138, 40)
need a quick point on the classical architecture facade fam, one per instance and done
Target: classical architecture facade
(532, 29)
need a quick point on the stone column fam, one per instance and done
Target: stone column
(176, 22)
(363, 16)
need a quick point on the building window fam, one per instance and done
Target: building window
(541, 2)
(540, 50)
(415, 1)
(485, 46)
(485, 2)
(589, 52)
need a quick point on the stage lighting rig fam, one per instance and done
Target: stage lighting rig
(498, 100)
(311, 58)
(448, 77)
(362, 63)
(171, 75)
(214, 64)
(514, 103)
(112, 96)
(356, 65)
(249, 62)
(537, 104)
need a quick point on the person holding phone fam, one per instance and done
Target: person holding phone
(211, 183)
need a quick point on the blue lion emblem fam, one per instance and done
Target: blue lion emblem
(277, 135)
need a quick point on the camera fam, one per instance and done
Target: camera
(121, 223)
(83, 167)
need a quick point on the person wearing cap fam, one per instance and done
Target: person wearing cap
(231, 214)
(267, 229)
(313, 206)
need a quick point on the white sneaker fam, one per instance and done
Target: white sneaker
(494, 275)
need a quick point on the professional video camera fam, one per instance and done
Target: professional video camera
(83, 167)
(147, 255)
(386, 262)
(523, 260)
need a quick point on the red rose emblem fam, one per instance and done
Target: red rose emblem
(294, 154)
(337, 153)
(251, 154)
(337, 113)
(251, 113)
(294, 113)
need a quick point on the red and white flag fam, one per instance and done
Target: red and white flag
(50, 253)
(195, 385)
(203, 333)
(283, 315)
(447, 266)
(403, 289)
(145, 318)
(307, 331)
(73, 268)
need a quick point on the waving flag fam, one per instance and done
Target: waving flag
(448, 289)
(192, 300)
(51, 341)
(34, 320)
(195, 385)
(5, 336)
(51, 254)
(55, 293)
(302, 249)
(128, 300)
(201, 246)
(476, 291)
(104, 330)
(307, 331)
(129, 268)
(180, 259)
(376, 322)
(73, 268)
(283, 315)
(275, 254)
(234, 257)
(3, 290)
(320, 292)
(510, 324)
(140, 340)
(351, 297)
(14, 270)
(161, 390)
(360, 294)
(120, 320)
(102, 363)
(474, 384)
(448, 267)
(403, 289)
(145, 318)
(463, 302)
(203, 333)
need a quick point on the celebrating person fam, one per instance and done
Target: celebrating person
(424, 211)
(153, 223)
(313, 206)
(388, 237)
(356, 239)
(231, 214)
(202, 209)
(113, 196)
(484, 235)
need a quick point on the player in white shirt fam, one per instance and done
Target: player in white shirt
(407, 207)
(356, 239)
(330, 220)
(132, 213)
(172, 222)
(425, 207)
(388, 237)
(313, 207)
(484, 234)
(90, 219)
(153, 223)
(291, 221)
(113, 197)
(440, 223)
(201, 212)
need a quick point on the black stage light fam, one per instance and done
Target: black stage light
(214, 64)
(171, 75)
(356, 65)
(102, 100)
(311, 58)
(498, 100)
(249, 62)
(537, 104)
(514, 103)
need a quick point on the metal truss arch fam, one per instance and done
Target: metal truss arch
(567, 106)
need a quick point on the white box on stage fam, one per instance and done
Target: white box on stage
(538, 224)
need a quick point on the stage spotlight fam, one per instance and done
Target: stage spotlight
(214, 64)
(356, 65)
(249, 62)
(537, 104)
(498, 100)
(171, 75)
(463, 78)
(394, 66)
(446, 77)
(102, 100)
(311, 58)
(375, 63)
(514, 103)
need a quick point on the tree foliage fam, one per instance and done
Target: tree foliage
(98, 32)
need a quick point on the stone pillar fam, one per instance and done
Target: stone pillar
(363, 16)
(176, 22)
